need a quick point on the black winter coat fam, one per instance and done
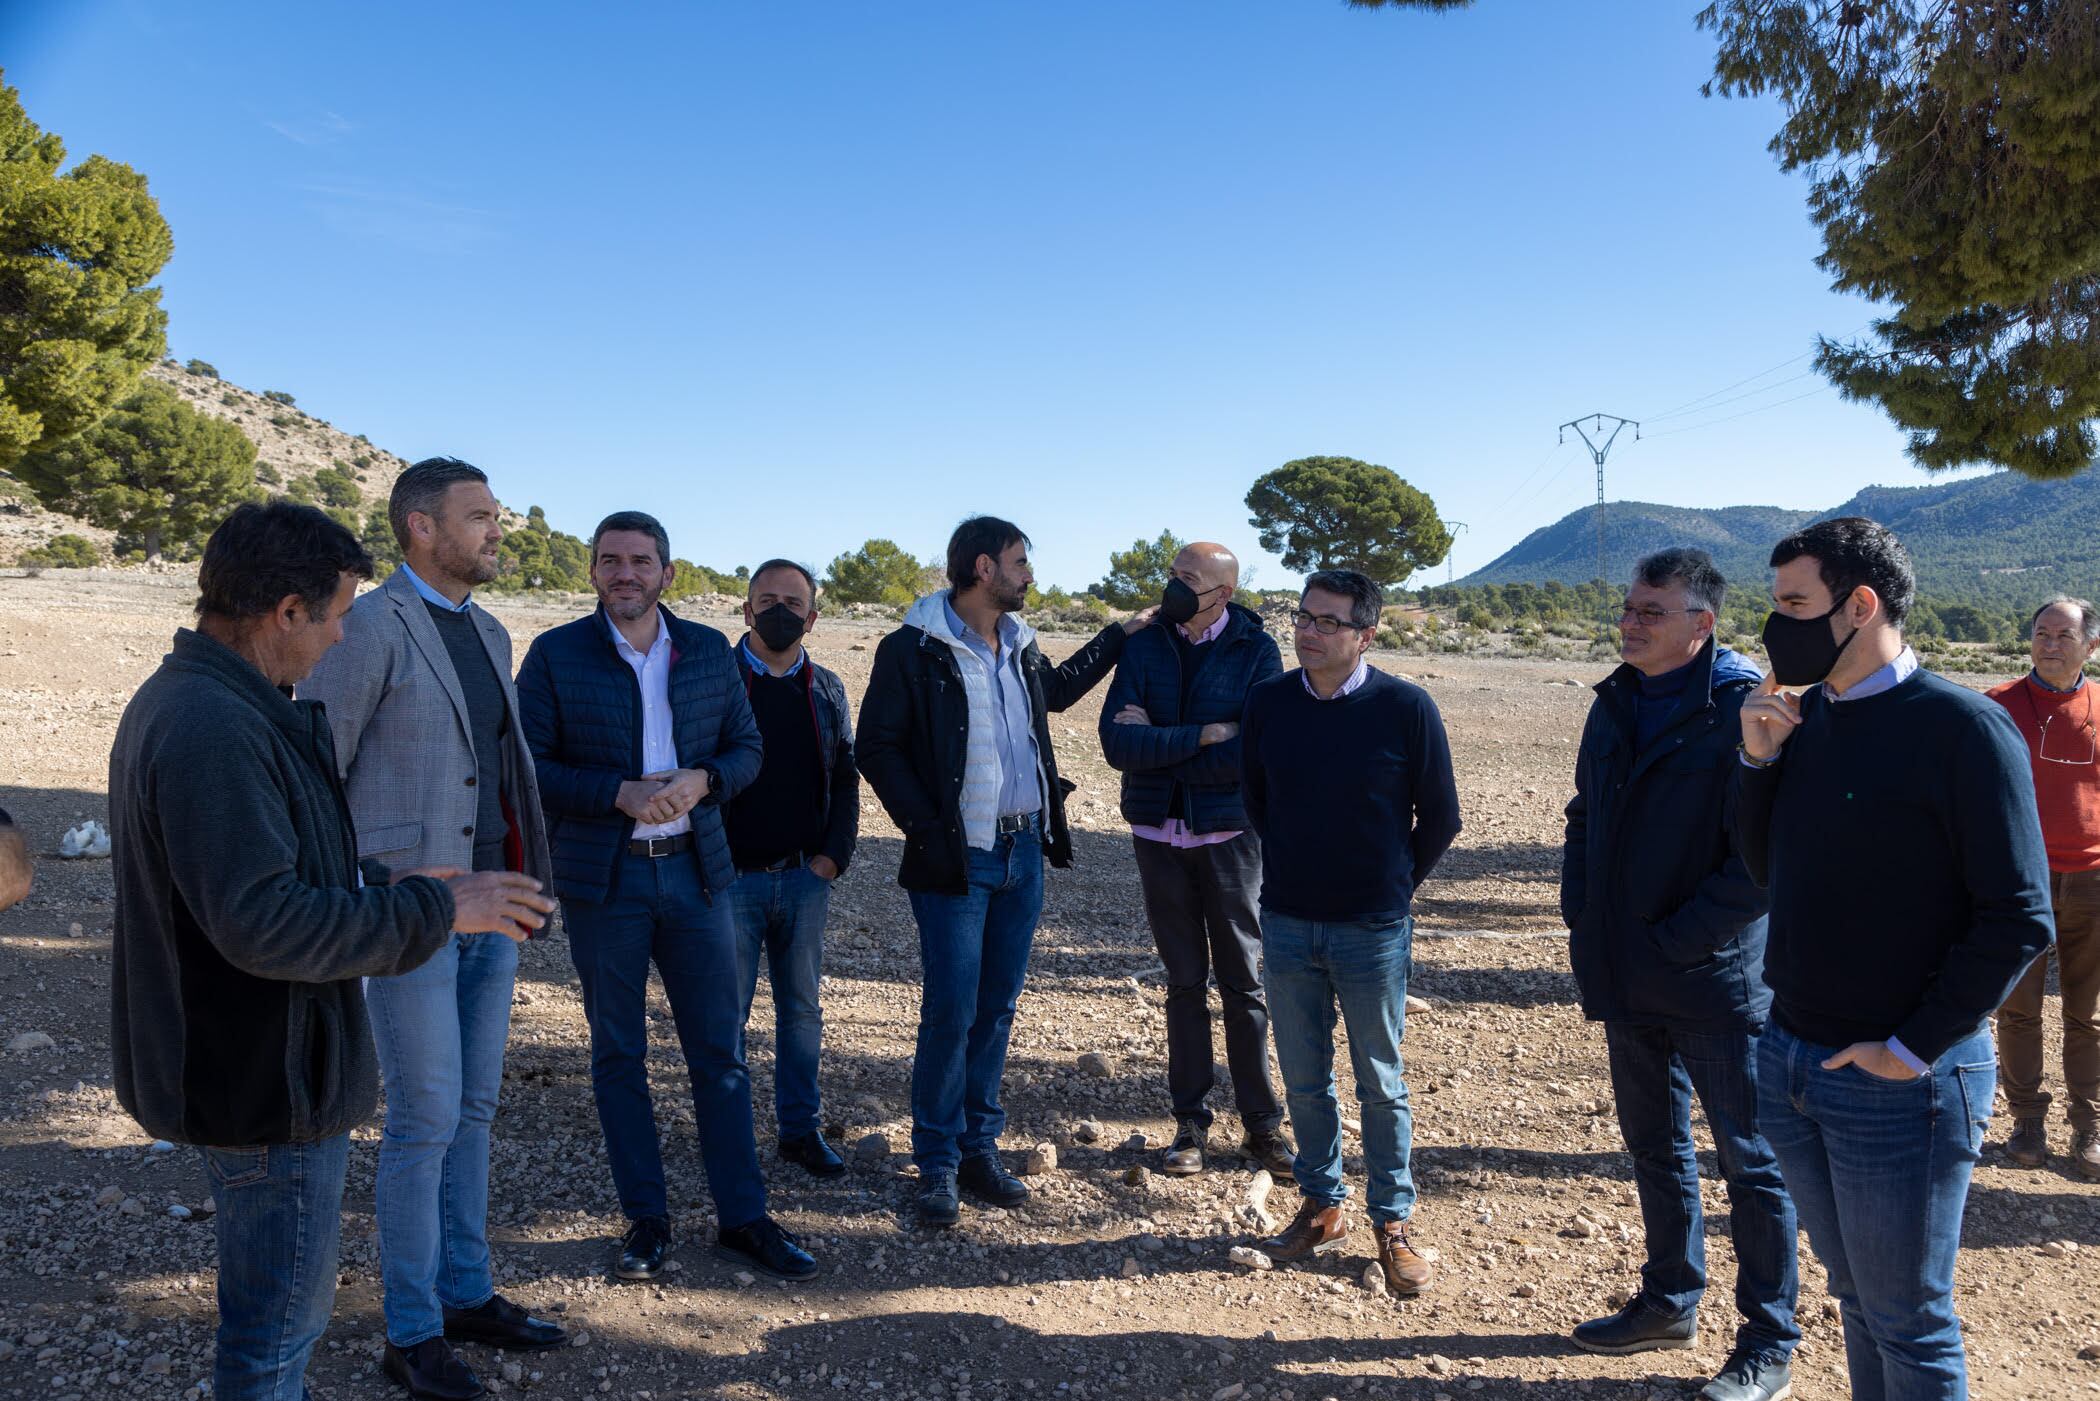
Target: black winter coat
(1167, 771)
(914, 737)
(581, 705)
(1666, 927)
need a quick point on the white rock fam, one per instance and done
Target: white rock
(1131, 1268)
(1416, 1005)
(1039, 1160)
(160, 1145)
(1248, 1258)
(1374, 1278)
(30, 1041)
(1229, 1393)
(1099, 1066)
(89, 839)
(1087, 1131)
(180, 1212)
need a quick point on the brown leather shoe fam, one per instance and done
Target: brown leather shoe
(1184, 1156)
(1406, 1273)
(2085, 1154)
(1317, 1229)
(2029, 1144)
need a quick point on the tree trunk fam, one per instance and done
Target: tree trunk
(153, 549)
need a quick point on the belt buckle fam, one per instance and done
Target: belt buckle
(651, 842)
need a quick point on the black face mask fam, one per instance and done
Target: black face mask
(1179, 602)
(779, 627)
(1802, 649)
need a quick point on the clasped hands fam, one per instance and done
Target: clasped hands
(656, 798)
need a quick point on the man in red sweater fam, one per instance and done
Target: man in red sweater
(2055, 708)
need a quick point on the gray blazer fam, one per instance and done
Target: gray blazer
(402, 737)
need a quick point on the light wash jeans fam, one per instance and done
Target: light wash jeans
(279, 1221)
(1313, 967)
(441, 1031)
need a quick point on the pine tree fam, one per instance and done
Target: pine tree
(1137, 575)
(1341, 513)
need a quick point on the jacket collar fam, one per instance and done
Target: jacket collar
(195, 651)
(930, 616)
(604, 623)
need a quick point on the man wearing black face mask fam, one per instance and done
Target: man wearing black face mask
(791, 834)
(1171, 724)
(1891, 815)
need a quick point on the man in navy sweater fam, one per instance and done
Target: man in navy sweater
(1346, 776)
(1891, 815)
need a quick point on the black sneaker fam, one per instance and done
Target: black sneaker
(766, 1245)
(938, 1203)
(644, 1249)
(987, 1179)
(1639, 1327)
(812, 1154)
(1752, 1374)
(431, 1371)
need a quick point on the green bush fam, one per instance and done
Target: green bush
(267, 475)
(278, 396)
(203, 367)
(63, 552)
(337, 488)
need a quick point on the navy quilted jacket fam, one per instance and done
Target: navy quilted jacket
(1166, 773)
(582, 711)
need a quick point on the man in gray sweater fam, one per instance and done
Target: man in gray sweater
(244, 922)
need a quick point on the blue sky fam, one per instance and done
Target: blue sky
(791, 276)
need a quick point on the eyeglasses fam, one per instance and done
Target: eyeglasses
(2070, 743)
(1320, 623)
(1650, 617)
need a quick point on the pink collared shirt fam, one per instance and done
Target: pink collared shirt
(1174, 832)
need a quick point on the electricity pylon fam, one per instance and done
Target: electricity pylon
(1598, 452)
(1452, 526)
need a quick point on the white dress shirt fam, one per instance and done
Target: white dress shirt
(659, 747)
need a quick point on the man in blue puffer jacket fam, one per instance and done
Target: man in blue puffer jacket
(1172, 726)
(640, 731)
(1667, 936)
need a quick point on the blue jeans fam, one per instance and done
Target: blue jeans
(1654, 1073)
(1879, 1170)
(1311, 967)
(441, 1031)
(280, 1212)
(973, 955)
(780, 914)
(659, 910)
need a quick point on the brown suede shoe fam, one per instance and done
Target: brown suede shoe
(1406, 1273)
(1316, 1230)
(2029, 1144)
(2085, 1154)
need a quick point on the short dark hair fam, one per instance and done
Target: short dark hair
(1693, 570)
(1851, 551)
(2088, 620)
(1366, 599)
(773, 564)
(422, 488)
(261, 554)
(979, 535)
(640, 521)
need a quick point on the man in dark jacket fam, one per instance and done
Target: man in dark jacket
(791, 834)
(640, 728)
(1171, 724)
(1667, 935)
(955, 739)
(1891, 814)
(244, 923)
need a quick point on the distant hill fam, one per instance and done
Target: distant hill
(2000, 539)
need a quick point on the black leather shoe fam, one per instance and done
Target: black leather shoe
(938, 1204)
(1638, 1327)
(987, 1179)
(431, 1371)
(501, 1324)
(812, 1154)
(644, 1249)
(1270, 1149)
(766, 1245)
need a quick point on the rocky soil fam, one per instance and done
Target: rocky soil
(1113, 1282)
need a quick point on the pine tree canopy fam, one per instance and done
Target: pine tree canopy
(1340, 513)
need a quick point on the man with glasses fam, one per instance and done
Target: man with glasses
(1890, 813)
(1172, 726)
(2054, 708)
(1667, 939)
(1346, 776)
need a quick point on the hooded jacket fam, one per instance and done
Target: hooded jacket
(243, 921)
(1666, 927)
(917, 727)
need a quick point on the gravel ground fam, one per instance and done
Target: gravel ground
(1112, 1282)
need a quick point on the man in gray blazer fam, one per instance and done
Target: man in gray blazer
(420, 700)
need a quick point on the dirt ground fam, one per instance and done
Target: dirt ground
(1111, 1282)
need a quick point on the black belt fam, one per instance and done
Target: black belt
(660, 846)
(1016, 822)
(785, 863)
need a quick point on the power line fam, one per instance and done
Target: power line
(1730, 418)
(1735, 398)
(1599, 450)
(1750, 379)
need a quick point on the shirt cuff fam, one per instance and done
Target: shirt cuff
(1902, 1052)
(1750, 763)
